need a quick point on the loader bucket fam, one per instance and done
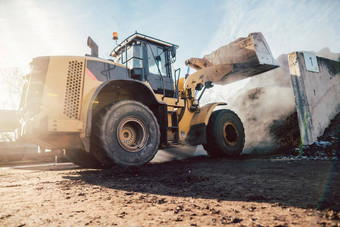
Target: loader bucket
(240, 59)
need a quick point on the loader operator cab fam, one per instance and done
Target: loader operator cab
(150, 60)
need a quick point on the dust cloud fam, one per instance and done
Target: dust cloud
(265, 98)
(266, 106)
(326, 53)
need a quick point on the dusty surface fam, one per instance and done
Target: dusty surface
(194, 192)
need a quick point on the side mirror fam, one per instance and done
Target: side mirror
(173, 51)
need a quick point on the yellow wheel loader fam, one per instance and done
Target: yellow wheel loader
(120, 112)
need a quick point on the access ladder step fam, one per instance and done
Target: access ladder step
(174, 125)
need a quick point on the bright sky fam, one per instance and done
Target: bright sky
(30, 28)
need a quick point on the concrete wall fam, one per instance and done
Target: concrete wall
(317, 94)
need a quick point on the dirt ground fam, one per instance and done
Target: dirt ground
(195, 192)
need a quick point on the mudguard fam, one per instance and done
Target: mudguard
(197, 132)
(134, 86)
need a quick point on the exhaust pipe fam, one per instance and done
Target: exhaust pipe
(93, 46)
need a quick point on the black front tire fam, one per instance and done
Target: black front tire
(126, 133)
(225, 134)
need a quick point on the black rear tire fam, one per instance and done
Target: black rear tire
(225, 134)
(83, 159)
(125, 133)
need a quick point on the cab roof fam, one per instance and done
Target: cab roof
(139, 36)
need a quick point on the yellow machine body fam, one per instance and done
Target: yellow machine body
(64, 94)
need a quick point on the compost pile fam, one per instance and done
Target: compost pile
(325, 148)
(286, 133)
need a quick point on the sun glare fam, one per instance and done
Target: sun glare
(11, 83)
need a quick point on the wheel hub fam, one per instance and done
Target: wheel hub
(230, 133)
(132, 134)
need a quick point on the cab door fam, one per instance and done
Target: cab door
(158, 70)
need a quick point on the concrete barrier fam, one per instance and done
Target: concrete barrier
(317, 93)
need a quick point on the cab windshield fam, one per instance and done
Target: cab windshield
(156, 59)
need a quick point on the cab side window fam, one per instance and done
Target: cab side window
(156, 60)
